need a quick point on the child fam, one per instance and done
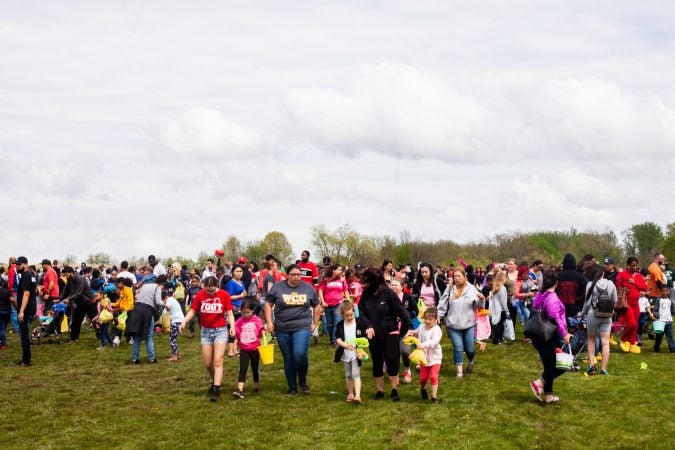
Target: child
(177, 317)
(193, 290)
(248, 329)
(429, 335)
(346, 332)
(103, 320)
(663, 311)
(46, 320)
(645, 313)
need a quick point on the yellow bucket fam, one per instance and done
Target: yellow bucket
(266, 353)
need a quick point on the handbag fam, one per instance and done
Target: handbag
(621, 299)
(540, 327)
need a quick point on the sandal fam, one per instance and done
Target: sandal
(553, 399)
(357, 400)
(350, 398)
(536, 390)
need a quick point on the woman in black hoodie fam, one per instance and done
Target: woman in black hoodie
(571, 288)
(382, 309)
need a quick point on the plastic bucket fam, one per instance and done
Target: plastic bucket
(659, 327)
(564, 360)
(266, 353)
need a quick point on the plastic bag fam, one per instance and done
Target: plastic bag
(64, 325)
(105, 316)
(165, 322)
(122, 321)
(509, 331)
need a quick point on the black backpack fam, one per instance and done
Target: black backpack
(604, 306)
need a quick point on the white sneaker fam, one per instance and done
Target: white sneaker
(407, 377)
(116, 341)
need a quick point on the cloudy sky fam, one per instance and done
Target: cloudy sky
(136, 127)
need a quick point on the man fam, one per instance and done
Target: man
(124, 266)
(50, 285)
(610, 270)
(157, 267)
(310, 273)
(571, 287)
(13, 285)
(656, 280)
(210, 270)
(78, 294)
(227, 268)
(26, 306)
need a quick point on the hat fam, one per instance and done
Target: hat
(241, 260)
(22, 260)
(358, 267)
(609, 260)
(326, 260)
(46, 261)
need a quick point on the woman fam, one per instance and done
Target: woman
(458, 305)
(547, 301)
(523, 294)
(499, 311)
(382, 310)
(333, 290)
(427, 287)
(411, 306)
(388, 270)
(631, 279)
(5, 312)
(296, 315)
(141, 321)
(212, 305)
(510, 284)
(238, 293)
(597, 325)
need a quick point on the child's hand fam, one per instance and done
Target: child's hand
(351, 347)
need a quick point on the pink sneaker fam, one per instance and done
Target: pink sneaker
(536, 390)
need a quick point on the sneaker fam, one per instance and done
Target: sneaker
(136, 361)
(100, 348)
(625, 346)
(603, 372)
(425, 396)
(634, 349)
(394, 395)
(435, 400)
(305, 389)
(238, 394)
(536, 389)
(292, 393)
(407, 377)
(592, 370)
(116, 341)
(469, 367)
(214, 395)
(612, 341)
(379, 395)
(24, 364)
(460, 375)
(130, 341)
(154, 361)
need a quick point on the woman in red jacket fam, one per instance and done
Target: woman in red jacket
(631, 279)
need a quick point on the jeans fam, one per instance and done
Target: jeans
(294, 346)
(547, 354)
(24, 328)
(523, 312)
(668, 332)
(333, 316)
(15, 320)
(4, 320)
(149, 343)
(105, 336)
(462, 342)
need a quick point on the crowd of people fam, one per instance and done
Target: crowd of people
(395, 312)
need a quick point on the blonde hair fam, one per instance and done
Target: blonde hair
(499, 281)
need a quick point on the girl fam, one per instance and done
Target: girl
(125, 302)
(523, 294)
(104, 305)
(597, 326)
(248, 330)
(177, 317)
(238, 293)
(332, 291)
(429, 335)
(346, 331)
(213, 305)
(499, 311)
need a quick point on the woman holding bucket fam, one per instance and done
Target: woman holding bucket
(548, 301)
(213, 305)
(296, 315)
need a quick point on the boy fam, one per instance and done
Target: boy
(663, 311)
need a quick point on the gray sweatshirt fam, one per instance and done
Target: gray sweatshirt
(151, 295)
(460, 312)
(497, 305)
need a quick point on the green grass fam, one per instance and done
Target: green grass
(77, 397)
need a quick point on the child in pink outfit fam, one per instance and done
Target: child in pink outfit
(248, 329)
(429, 335)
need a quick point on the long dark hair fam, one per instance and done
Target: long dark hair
(372, 279)
(550, 279)
(419, 280)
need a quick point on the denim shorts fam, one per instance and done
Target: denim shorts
(211, 335)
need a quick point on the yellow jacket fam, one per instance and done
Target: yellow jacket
(126, 301)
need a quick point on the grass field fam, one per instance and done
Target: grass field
(77, 397)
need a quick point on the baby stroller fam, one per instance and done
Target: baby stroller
(579, 341)
(50, 330)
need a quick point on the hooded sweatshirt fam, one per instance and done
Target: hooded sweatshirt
(571, 287)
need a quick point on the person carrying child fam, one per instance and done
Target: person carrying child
(664, 309)
(176, 318)
(248, 330)
(104, 316)
(429, 335)
(346, 332)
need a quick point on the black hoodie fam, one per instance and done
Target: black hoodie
(571, 286)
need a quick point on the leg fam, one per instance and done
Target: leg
(392, 357)
(630, 329)
(300, 348)
(285, 340)
(469, 337)
(4, 320)
(255, 366)
(14, 317)
(424, 376)
(604, 340)
(377, 354)
(135, 347)
(244, 358)
(173, 338)
(76, 325)
(356, 377)
(24, 327)
(104, 330)
(218, 354)
(668, 331)
(333, 317)
(591, 350)
(457, 349)
(547, 354)
(207, 357)
(433, 378)
(149, 342)
(349, 380)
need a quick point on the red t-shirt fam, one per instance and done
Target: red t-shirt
(309, 271)
(51, 275)
(212, 310)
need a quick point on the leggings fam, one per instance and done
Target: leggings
(385, 350)
(547, 354)
(429, 373)
(173, 338)
(244, 357)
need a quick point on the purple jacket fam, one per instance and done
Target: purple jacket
(554, 309)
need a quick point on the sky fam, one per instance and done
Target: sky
(138, 127)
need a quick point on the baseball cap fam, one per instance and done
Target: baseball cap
(609, 260)
(22, 260)
(358, 267)
(326, 260)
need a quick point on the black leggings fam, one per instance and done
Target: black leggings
(547, 354)
(385, 350)
(244, 357)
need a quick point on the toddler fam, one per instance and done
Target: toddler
(103, 306)
(429, 335)
(346, 332)
(248, 329)
(176, 318)
(664, 309)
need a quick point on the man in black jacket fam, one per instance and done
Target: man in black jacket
(78, 295)
(571, 287)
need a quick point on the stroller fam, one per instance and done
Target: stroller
(579, 341)
(50, 330)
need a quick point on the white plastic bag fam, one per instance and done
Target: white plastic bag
(509, 331)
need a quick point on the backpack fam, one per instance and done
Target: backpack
(604, 307)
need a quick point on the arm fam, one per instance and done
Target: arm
(639, 282)
(230, 321)
(188, 317)
(50, 286)
(268, 317)
(24, 302)
(443, 304)
(587, 302)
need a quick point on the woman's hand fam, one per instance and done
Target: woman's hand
(370, 333)
(566, 339)
(232, 332)
(270, 327)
